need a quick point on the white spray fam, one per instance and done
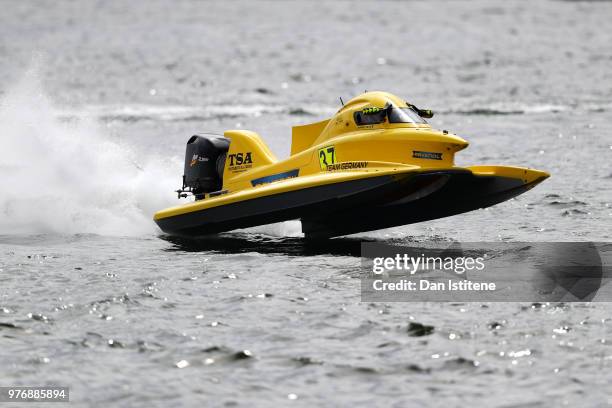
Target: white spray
(66, 177)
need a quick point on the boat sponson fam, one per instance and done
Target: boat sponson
(463, 192)
(300, 203)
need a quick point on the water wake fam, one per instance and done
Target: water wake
(69, 177)
(291, 229)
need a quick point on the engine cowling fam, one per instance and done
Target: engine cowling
(204, 164)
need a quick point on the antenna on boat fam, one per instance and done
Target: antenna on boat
(341, 101)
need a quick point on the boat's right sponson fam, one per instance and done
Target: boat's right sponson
(462, 192)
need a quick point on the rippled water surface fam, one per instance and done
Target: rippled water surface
(96, 103)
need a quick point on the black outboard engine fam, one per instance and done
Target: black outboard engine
(204, 163)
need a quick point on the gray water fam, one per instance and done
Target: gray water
(96, 102)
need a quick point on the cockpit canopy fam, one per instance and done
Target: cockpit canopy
(370, 110)
(392, 114)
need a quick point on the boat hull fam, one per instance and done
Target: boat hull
(350, 203)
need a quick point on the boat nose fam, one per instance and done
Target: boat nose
(538, 175)
(457, 143)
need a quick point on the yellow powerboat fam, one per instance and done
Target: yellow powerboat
(375, 164)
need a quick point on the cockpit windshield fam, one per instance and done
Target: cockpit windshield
(374, 115)
(404, 115)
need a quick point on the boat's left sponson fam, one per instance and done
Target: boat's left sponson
(300, 203)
